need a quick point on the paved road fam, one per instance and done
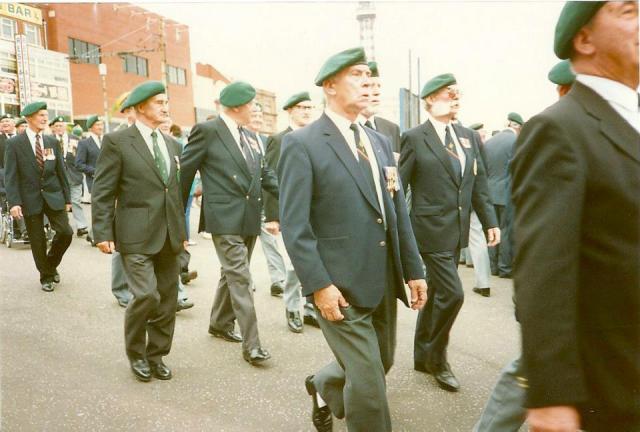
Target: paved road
(64, 367)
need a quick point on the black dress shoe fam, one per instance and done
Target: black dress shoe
(445, 378)
(277, 290)
(188, 276)
(256, 355)
(141, 370)
(321, 417)
(47, 286)
(56, 277)
(90, 240)
(484, 292)
(160, 370)
(311, 320)
(81, 232)
(506, 276)
(294, 322)
(184, 304)
(229, 336)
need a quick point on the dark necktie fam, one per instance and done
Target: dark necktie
(39, 157)
(453, 152)
(248, 154)
(61, 144)
(161, 163)
(368, 124)
(363, 158)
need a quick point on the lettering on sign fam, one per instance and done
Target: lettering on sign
(21, 12)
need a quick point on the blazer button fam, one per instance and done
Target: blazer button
(460, 208)
(379, 220)
(259, 199)
(382, 243)
(166, 189)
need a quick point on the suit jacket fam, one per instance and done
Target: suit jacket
(86, 158)
(576, 177)
(390, 130)
(442, 203)
(74, 176)
(271, 158)
(331, 221)
(3, 140)
(148, 210)
(231, 194)
(29, 187)
(497, 151)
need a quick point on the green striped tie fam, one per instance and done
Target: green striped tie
(159, 158)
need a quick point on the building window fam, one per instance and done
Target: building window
(7, 28)
(32, 32)
(135, 65)
(177, 75)
(83, 52)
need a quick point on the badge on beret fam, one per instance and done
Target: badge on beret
(391, 175)
(465, 143)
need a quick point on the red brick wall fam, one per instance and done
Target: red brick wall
(102, 24)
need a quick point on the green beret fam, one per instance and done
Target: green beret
(296, 99)
(476, 126)
(56, 120)
(33, 108)
(374, 69)
(236, 94)
(340, 61)
(574, 15)
(6, 116)
(77, 130)
(20, 121)
(436, 83)
(92, 120)
(143, 92)
(515, 117)
(562, 74)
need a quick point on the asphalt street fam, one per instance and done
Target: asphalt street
(63, 365)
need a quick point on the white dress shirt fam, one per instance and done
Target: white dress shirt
(441, 131)
(97, 139)
(145, 131)
(233, 128)
(32, 139)
(343, 124)
(623, 100)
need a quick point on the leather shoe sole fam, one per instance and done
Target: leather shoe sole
(484, 292)
(321, 417)
(228, 336)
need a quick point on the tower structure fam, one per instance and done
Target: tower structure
(366, 16)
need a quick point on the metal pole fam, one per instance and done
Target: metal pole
(102, 68)
(410, 96)
(163, 52)
(419, 121)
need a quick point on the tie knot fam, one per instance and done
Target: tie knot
(354, 127)
(154, 134)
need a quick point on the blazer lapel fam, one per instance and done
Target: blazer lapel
(337, 142)
(468, 152)
(172, 156)
(231, 146)
(141, 147)
(437, 147)
(28, 150)
(612, 125)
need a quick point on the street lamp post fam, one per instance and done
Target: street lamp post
(102, 69)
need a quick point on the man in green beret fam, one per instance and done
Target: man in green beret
(562, 76)
(440, 160)
(479, 127)
(138, 169)
(36, 186)
(68, 147)
(21, 125)
(299, 107)
(233, 177)
(369, 114)
(7, 130)
(345, 225)
(576, 173)
(89, 149)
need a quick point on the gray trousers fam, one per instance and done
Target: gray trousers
(76, 207)
(150, 317)
(119, 286)
(275, 262)
(292, 294)
(504, 411)
(234, 297)
(363, 343)
(479, 252)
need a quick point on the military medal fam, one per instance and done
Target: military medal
(48, 154)
(391, 175)
(465, 142)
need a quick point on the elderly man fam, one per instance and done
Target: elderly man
(440, 160)
(576, 176)
(138, 169)
(7, 130)
(346, 228)
(233, 177)
(36, 186)
(89, 149)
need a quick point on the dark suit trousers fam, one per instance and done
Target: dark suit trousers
(151, 314)
(234, 297)
(501, 255)
(46, 263)
(435, 320)
(353, 385)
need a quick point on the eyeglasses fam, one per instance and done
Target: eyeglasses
(454, 91)
(304, 107)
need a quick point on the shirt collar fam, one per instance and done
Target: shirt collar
(611, 91)
(438, 125)
(342, 123)
(231, 123)
(96, 137)
(32, 135)
(145, 130)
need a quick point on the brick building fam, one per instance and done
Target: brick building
(129, 41)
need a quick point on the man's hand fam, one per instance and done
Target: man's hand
(554, 419)
(493, 237)
(273, 227)
(107, 247)
(418, 293)
(329, 300)
(67, 207)
(185, 244)
(16, 212)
